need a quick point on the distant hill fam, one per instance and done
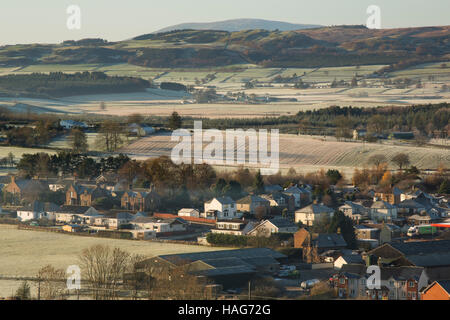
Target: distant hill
(239, 25)
(306, 48)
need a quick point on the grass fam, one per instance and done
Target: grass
(24, 252)
(19, 151)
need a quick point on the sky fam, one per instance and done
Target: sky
(45, 21)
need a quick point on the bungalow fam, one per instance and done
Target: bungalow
(313, 213)
(77, 214)
(159, 225)
(38, 210)
(188, 212)
(253, 204)
(114, 221)
(276, 225)
(234, 227)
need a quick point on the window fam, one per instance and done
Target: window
(342, 280)
(411, 284)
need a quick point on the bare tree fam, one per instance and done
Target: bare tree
(401, 160)
(51, 284)
(104, 268)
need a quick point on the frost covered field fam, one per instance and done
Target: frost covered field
(23, 252)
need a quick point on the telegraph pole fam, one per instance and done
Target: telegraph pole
(250, 290)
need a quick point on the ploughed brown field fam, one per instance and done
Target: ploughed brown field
(306, 153)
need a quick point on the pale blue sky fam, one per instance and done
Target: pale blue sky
(29, 21)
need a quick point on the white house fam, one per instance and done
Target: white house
(159, 225)
(354, 211)
(115, 221)
(313, 213)
(38, 210)
(347, 259)
(221, 208)
(77, 214)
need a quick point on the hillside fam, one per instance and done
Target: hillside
(319, 47)
(239, 25)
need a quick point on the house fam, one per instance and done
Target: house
(140, 200)
(348, 259)
(393, 197)
(410, 206)
(77, 214)
(301, 195)
(229, 268)
(114, 221)
(221, 208)
(366, 232)
(187, 212)
(280, 200)
(141, 130)
(276, 225)
(438, 290)
(253, 204)
(160, 225)
(354, 211)
(79, 195)
(423, 219)
(38, 210)
(383, 211)
(234, 227)
(313, 244)
(313, 213)
(396, 283)
(70, 124)
(24, 189)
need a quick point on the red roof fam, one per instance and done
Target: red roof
(191, 219)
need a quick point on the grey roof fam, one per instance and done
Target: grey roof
(401, 273)
(273, 188)
(250, 199)
(237, 253)
(422, 247)
(316, 209)
(280, 222)
(410, 203)
(382, 205)
(329, 240)
(73, 209)
(352, 258)
(353, 270)
(225, 200)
